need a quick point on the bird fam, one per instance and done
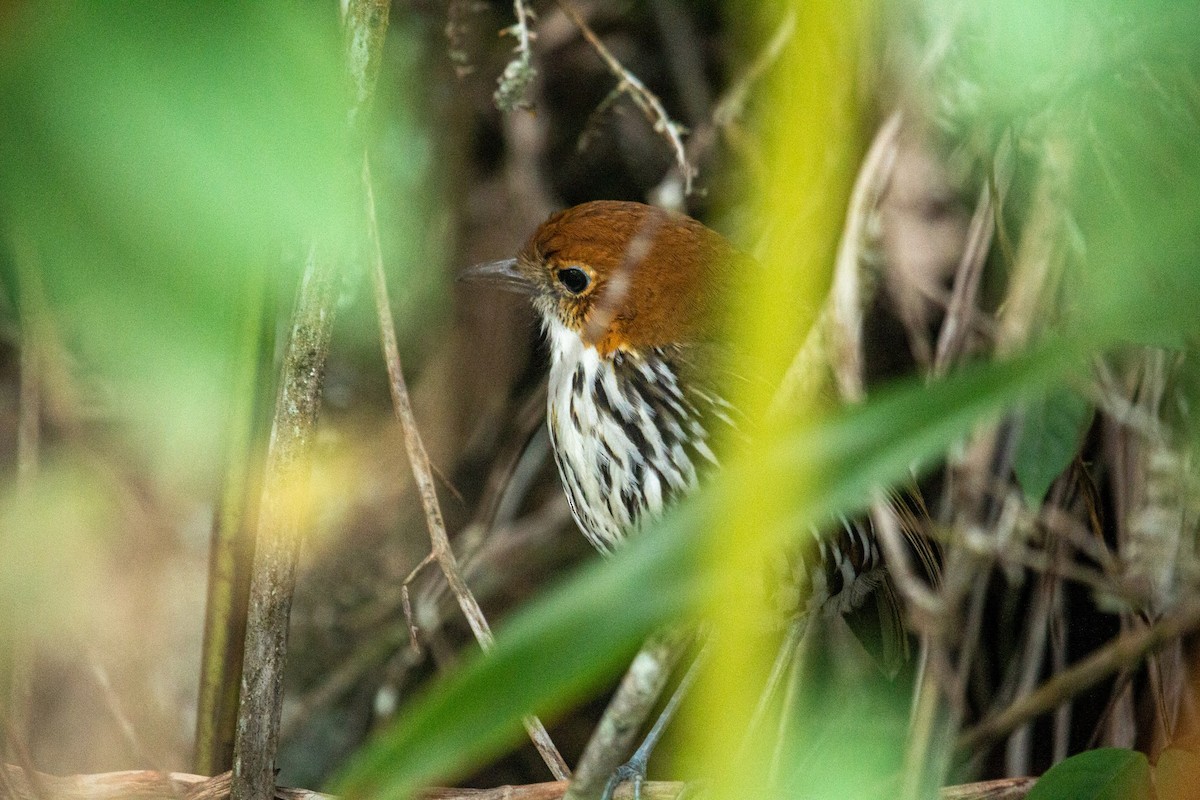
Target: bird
(633, 300)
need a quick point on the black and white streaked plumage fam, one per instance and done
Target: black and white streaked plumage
(628, 437)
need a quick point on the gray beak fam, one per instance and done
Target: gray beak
(499, 273)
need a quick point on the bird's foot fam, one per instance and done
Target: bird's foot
(632, 770)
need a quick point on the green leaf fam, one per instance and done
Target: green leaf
(1052, 429)
(565, 644)
(1106, 774)
(156, 159)
(1177, 774)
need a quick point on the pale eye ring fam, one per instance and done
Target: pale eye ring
(574, 279)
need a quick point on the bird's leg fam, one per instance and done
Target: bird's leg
(628, 710)
(635, 768)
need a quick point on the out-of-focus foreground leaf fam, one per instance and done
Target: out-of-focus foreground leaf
(153, 157)
(559, 647)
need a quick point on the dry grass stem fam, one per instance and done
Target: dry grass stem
(423, 473)
(853, 288)
(23, 784)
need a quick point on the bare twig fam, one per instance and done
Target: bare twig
(730, 106)
(1122, 653)
(423, 473)
(28, 785)
(646, 101)
(952, 338)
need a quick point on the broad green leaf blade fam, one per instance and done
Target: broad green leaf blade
(1052, 428)
(565, 644)
(1110, 773)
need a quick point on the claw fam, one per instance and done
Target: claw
(632, 770)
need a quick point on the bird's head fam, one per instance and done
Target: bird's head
(624, 277)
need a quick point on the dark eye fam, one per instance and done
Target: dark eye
(573, 279)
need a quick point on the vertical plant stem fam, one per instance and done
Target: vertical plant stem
(18, 705)
(232, 549)
(283, 517)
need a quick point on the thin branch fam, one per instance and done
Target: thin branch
(423, 473)
(28, 785)
(646, 101)
(731, 105)
(952, 338)
(1122, 653)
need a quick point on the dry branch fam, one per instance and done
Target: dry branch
(1125, 652)
(148, 785)
(626, 713)
(423, 473)
(646, 101)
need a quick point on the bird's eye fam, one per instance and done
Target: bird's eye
(573, 279)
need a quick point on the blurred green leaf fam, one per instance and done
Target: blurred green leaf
(196, 130)
(555, 650)
(1052, 428)
(1109, 773)
(907, 427)
(849, 743)
(156, 160)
